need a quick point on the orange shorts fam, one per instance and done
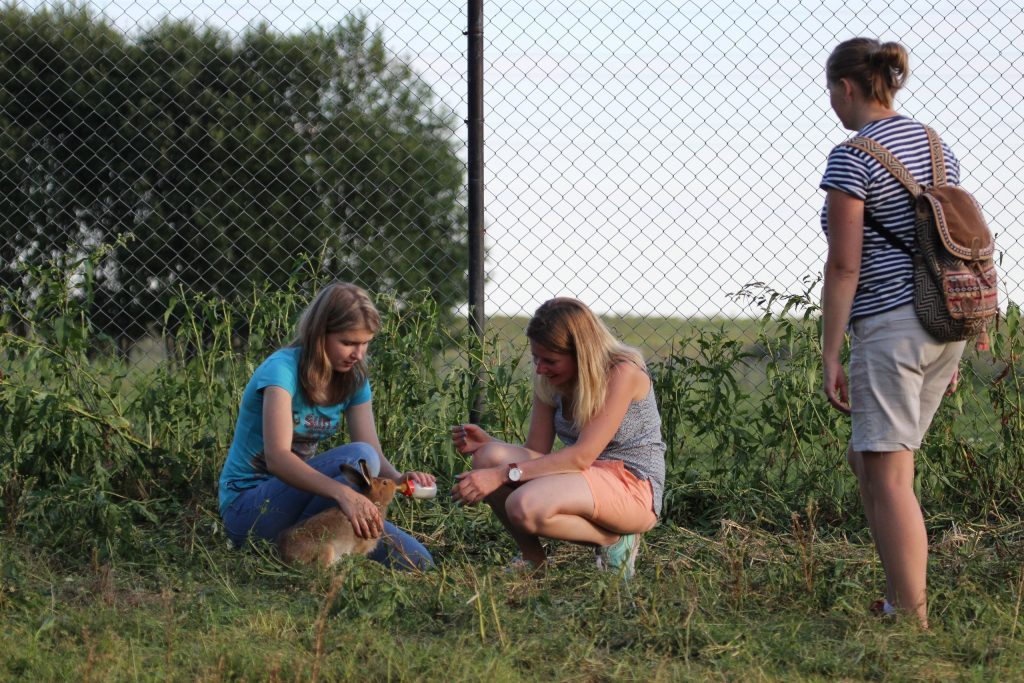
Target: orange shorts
(623, 504)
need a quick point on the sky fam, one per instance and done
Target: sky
(657, 158)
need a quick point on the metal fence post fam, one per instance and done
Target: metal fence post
(475, 57)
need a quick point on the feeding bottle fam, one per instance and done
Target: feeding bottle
(413, 490)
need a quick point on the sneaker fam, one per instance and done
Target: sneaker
(620, 556)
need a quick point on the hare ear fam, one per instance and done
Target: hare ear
(356, 477)
(364, 469)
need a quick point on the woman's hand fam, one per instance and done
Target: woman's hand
(418, 478)
(468, 438)
(361, 512)
(474, 486)
(837, 389)
(953, 383)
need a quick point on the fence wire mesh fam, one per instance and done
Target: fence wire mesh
(652, 159)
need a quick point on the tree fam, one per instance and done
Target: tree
(230, 163)
(60, 168)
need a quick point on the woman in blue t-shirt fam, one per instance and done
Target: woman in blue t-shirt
(272, 478)
(898, 372)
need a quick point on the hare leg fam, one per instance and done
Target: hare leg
(327, 555)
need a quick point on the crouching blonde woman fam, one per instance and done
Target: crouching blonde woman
(604, 486)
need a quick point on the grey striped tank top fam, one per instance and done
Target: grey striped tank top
(637, 443)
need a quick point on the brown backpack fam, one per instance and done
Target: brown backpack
(955, 281)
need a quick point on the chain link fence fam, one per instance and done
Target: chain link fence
(652, 159)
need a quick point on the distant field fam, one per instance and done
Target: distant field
(656, 336)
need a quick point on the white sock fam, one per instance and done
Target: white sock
(887, 609)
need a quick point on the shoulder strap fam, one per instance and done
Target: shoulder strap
(889, 162)
(901, 173)
(895, 166)
(889, 235)
(938, 158)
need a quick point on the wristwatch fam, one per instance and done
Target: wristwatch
(514, 473)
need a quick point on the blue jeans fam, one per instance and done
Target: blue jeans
(266, 510)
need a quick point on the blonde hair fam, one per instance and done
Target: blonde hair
(878, 69)
(565, 325)
(339, 307)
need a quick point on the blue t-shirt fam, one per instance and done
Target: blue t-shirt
(246, 465)
(886, 273)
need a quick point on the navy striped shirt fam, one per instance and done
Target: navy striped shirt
(886, 273)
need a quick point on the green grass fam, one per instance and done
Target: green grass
(730, 603)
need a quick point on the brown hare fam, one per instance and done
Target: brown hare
(327, 536)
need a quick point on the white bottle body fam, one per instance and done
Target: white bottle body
(414, 490)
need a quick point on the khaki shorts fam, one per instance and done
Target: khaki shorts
(622, 503)
(898, 376)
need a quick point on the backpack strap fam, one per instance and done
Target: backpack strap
(900, 172)
(895, 166)
(938, 158)
(889, 162)
(889, 235)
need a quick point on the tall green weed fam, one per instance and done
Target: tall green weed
(751, 436)
(97, 452)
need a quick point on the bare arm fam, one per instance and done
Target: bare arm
(362, 427)
(626, 383)
(293, 470)
(541, 435)
(469, 438)
(842, 272)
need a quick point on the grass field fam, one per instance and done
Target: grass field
(731, 603)
(656, 336)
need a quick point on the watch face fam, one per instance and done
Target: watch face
(514, 473)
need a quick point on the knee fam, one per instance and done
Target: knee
(489, 455)
(522, 515)
(401, 551)
(891, 487)
(410, 556)
(352, 453)
(422, 560)
(364, 451)
(885, 478)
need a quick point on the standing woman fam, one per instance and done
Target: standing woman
(898, 372)
(273, 478)
(604, 487)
